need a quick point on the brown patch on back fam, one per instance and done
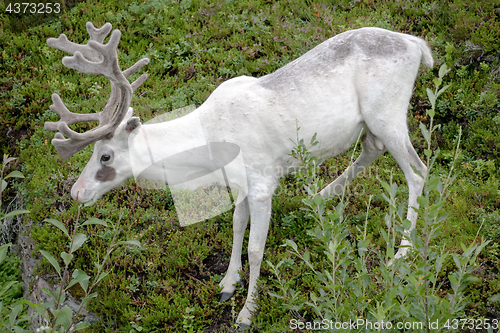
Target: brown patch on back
(105, 174)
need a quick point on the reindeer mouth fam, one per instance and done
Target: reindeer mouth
(91, 201)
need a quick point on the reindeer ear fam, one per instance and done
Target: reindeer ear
(132, 124)
(129, 113)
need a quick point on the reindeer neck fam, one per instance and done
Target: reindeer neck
(156, 143)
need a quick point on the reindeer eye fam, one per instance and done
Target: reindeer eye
(105, 158)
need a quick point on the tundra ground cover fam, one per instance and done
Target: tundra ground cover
(170, 283)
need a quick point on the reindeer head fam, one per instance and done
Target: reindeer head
(109, 165)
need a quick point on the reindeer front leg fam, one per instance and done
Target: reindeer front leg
(240, 221)
(260, 214)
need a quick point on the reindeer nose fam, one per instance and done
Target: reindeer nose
(77, 193)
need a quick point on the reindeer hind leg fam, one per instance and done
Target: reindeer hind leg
(372, 148)
(393, 132)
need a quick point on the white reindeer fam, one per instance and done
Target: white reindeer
(358, 82)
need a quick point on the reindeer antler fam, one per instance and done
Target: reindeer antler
(93, 58)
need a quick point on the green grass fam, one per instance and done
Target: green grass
(194, 46)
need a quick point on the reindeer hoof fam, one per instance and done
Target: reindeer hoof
(242, 327)
(225, 297)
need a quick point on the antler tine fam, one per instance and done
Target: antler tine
(67, 147)
(98, 34)
(62, 43)
(139, 81)
(67, 116)
(135, 67)
(107, 67)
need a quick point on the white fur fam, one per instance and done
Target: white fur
(358, 81)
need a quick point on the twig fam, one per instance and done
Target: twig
(192, 277)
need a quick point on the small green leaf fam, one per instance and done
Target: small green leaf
(101, 276)
(49, 292)
(28, 303)
(78, 241)
(292, 244)
(456, 259)
(432, 183)
(306, 256)
(443, 70)
(7, 159)
(318, 200)
(94, 220)
(437, 82)
(52, 260)
(406, 224)
(275, 295)
(394, 190)
(442, 90)
(390, 252)
(422, 201)
(3, 251)
(81, 326)
(313, 139)
(453, 280)
(4, 185)
(16, 212)
(13, 314)
(67, 257)
(41, 309)
(89, 297)
(59, 225)
(431, 97)
(15, 174)
(64, 317)
(18, 329)
(425, 132)
(129, 242)
(495, 298)
(473, 279)
(7, 287)
(385, 185)
(80, 277)
(386, 198)
(464, 248)
(384, 235)
(431, 112)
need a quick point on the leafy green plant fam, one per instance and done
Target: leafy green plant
(188, 320)
(307, 175)
(407, 288)
(10, 276)
(11, 313)
(10, 287)
(12, 174)
(60, 316)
